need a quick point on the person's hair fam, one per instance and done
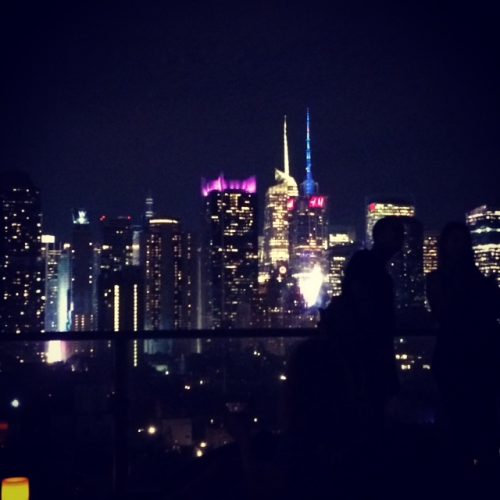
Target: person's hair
(468, 255)
(382, 225)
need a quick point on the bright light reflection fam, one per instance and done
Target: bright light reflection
(310, 285)
(54, 351)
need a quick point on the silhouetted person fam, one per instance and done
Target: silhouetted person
(466, 306)
(361, 321)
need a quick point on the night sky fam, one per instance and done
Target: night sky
(103, 103)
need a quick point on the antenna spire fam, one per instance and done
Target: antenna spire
(286, 160)
(309, 184)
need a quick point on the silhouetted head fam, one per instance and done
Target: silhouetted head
(388, 236)
(455, 247)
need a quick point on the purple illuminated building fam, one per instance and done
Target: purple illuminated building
(230, 252)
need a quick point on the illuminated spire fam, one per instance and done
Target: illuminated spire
(310, 186)
(286, 161)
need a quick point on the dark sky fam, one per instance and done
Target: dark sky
(102, 103)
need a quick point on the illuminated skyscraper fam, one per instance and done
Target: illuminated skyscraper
(21, 262)
(309, 235)
(430, 251)
(64, 289)
(120, 283)
(83, 315)
(276, 244)
(51, 257)
(163, 274)
(406, 267)
(377, 208)
(341, 247)
(484, 224)
(230, 246)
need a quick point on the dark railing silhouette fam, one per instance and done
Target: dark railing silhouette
(122, 366)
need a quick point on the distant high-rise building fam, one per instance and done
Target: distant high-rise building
(21, 261)
(163, 274)
(407, 268)
(430, 251)
(276, 242)
(309, 236)
(83, 314)
(377, 208)
(64, 289)
(484, 224)
(120, 283)
(341, 246)
(51, 257)
(230, 245)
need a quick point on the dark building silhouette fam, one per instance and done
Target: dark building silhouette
(230, 273)
(407, 268)
(21, 262)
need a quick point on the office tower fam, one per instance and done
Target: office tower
(51, 257)
(64, 289)
(83, 314)
(407, 268)
(230, 227)
(430, 251)
(120, 283)
(484, 224)
(163, 274)
(21, 262)
(276, 241)
(341, 246)
(379, 207)
(309, 235)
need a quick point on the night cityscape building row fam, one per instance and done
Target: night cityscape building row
(153, 275)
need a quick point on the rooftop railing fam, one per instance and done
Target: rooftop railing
(107, 414)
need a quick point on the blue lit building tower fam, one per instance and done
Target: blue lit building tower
(309, 235)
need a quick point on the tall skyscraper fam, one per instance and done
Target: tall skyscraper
(380, 207)
(484, 224)
(309, 235)
(230, 245)
(64, 289)
(430, 251)
(51, 257)
(276, 243)
(83, 314)
(407, 268)
(120, 283)
(341, 246)
(163, 274)
(21, 261)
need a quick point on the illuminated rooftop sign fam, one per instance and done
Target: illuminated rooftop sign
(221, 184)
(80, 217)
(317, 202)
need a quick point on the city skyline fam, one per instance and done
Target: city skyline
(402, 103)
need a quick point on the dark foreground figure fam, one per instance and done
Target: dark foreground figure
(466, 365)
(361, 322)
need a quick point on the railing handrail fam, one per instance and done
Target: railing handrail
(236, 333)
